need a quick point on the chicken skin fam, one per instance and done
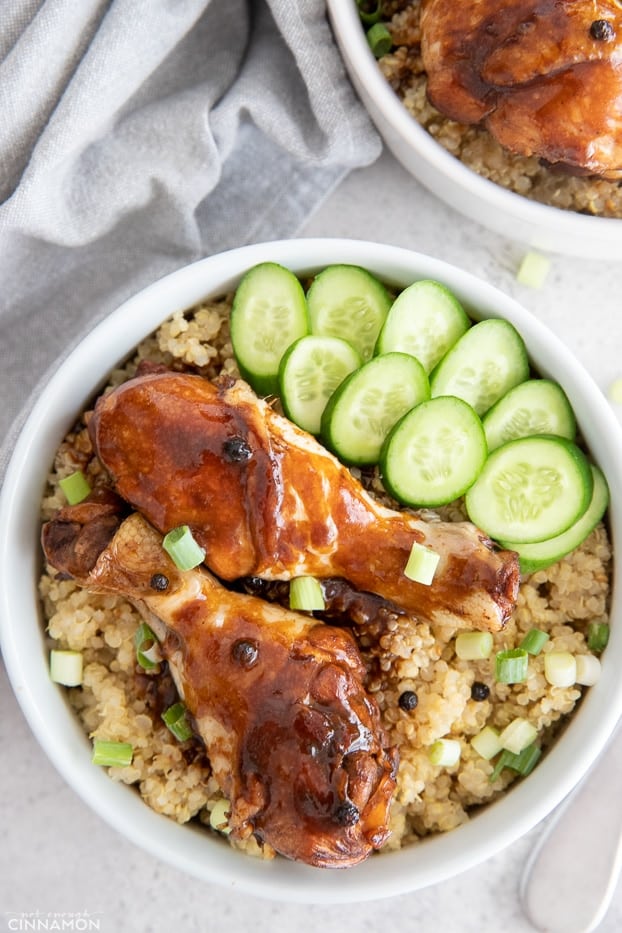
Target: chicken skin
(265, 499)
(544, 76)
(293, 739)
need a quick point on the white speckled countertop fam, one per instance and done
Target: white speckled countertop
(57, 857)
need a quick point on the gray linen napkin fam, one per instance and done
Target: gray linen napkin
(139, 135)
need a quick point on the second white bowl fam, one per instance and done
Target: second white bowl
(507, 213)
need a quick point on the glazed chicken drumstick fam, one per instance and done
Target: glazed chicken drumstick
(265, 499)
(543, 76)
(293, 739)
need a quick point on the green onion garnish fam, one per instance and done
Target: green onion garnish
(511, 666)
(560, 668)
(380, 40)
(369, 16)
(588, 669)
(66, 667)
(487, 743)
(183, 550)
(421, 564)
(305, 594)
(597, 636)
(219, 816)
(175, 719)
(534, 641)
(444, 752)
(112, 754)
(517, 735)
(76, 487)
(473, 646)
(523, 763)
(502, 762)
(146, 645)
(533, 270)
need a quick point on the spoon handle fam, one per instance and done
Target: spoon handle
(571, 875)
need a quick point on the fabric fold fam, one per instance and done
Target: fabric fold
(139, 135)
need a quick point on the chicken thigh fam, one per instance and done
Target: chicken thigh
(265, 499)
(544, 76)
(293, 738)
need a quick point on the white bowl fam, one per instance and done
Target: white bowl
(507, 213)
(57, 728)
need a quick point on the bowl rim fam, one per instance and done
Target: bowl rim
(346, 22)
(55, 725)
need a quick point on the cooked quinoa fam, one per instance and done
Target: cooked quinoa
(474, 145)
(119, 701)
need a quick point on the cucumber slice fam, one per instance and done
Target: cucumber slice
(269, 312)
(425, 320)
(309, 373)
(350, 303)
(434, 453)
(537, 406)
(367, 404)
(544, 553)
(487, 361)
(531, 489)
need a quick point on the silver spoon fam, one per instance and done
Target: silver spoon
(570, 878)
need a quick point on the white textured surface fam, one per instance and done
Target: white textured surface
(57, 857)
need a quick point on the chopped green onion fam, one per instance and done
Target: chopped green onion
(534, 641)
(533, 270)
(444, 752)
(183, 550)
(112, 754)
(523, 763)
(369, 17)
(66, 667)
(146, 645)
(588, 669)
(76, 487)
(526, 760)
(380, 40)
(597, 636)
(615, 392)
(305, 594)
(472, 646)
(511, 666)
(219, 816)
(421, 564)
(175, 719)
(560, 668)
(502, 762)
(487, 743)
(518, 735)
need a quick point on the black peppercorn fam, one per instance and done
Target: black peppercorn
(159, 582)
(346, 814)
(236, 449)
(602, 30)
(480, 691)
(408, 700)
(245, 653)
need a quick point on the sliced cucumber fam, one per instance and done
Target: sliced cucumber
(537, 406)
(348, 302)
(434, 453)
(367, 404)
(544, 553)
(269, 312)
(309, 373)
(425, 320)
(531, 489)
(487, 361)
